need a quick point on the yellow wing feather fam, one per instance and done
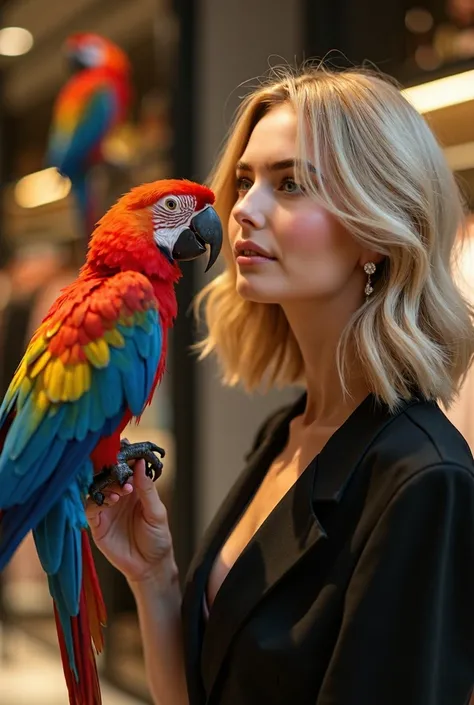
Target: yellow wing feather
(51, 378)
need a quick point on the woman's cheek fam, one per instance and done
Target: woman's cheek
(308, 234)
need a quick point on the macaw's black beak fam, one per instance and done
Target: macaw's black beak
(204, 229)
(73, 62)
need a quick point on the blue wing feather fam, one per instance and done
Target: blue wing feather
(69, 152)
(35, 469)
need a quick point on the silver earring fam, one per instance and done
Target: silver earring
(369, 269)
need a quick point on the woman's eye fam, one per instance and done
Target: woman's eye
(290, 186)
(243, 184)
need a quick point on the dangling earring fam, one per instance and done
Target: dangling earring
(369, 269)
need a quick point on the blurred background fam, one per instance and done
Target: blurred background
(189, 63)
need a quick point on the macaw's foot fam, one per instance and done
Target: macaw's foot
(143, 451)
(121, 472)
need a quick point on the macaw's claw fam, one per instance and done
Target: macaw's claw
(143, 451)
(121, 472)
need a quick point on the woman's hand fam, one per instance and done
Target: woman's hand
(131, 528)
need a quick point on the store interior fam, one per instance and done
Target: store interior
(42, 243)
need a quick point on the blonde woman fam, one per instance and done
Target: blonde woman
(340, 568)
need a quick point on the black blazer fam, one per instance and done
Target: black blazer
(358, 589)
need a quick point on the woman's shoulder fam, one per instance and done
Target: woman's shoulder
(418, 439)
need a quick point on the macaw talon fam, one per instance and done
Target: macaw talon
(121, 472)
(114, 473)
(142, 451)
(101, 480)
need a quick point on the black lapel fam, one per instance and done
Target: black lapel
(269, 556)
(226, 518)
(342, 454)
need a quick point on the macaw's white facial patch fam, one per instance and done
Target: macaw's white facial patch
(171, 215)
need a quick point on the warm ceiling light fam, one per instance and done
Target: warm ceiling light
(42, 187)
(15, 41)
(442, 92)
(418, 20)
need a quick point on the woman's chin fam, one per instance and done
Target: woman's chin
(249, 291)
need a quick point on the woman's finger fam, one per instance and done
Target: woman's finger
(118, 489)
(153, 509)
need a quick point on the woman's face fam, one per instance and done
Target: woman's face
(286, 246)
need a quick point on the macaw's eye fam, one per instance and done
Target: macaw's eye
(171, 204)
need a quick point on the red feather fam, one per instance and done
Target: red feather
(87, 631)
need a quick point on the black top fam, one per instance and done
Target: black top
(358, 589)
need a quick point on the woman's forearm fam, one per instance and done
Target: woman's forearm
(159, 611)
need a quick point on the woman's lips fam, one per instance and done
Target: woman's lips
(252, 257)
(250, 254)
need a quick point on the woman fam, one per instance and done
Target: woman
(339, 570)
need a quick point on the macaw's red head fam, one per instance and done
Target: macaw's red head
(155, 226)
(91, 51)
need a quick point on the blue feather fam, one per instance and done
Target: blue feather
(37, 468)
(22, 433)
(142, 342)
(49, 536)
(18, 522)
(126, 331)
(110, 389)
(7, 407)
(21, 487)
(120, 358)
(70, 154)
(83, 422)
(135, 391)
(68, 429)
(96, 415)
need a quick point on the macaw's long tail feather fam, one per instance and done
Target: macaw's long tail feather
(83, 632)
(65, 554)
(86, 203)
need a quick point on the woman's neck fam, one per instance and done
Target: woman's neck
(317, 330)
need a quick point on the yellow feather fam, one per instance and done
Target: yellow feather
(69, 386)
(48, 371)
(77, 380)
(35, 349)
(90, 351)
(56, 382)
(115, 338)
(40, 364)
(17, 379)
(126, 321)
(25, 389)
(103, 352)
(53, 330)
(41, 401)
(97, 351)
(40, 407)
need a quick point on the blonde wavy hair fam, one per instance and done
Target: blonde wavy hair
(381, 172)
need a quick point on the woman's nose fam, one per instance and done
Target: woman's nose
(248, 213)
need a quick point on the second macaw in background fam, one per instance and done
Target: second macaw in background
(93, 365)
(90, 105)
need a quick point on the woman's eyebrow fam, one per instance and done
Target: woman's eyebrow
(277, 166)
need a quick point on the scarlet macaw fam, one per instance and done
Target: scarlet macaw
(93, 365)
(94, 100)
